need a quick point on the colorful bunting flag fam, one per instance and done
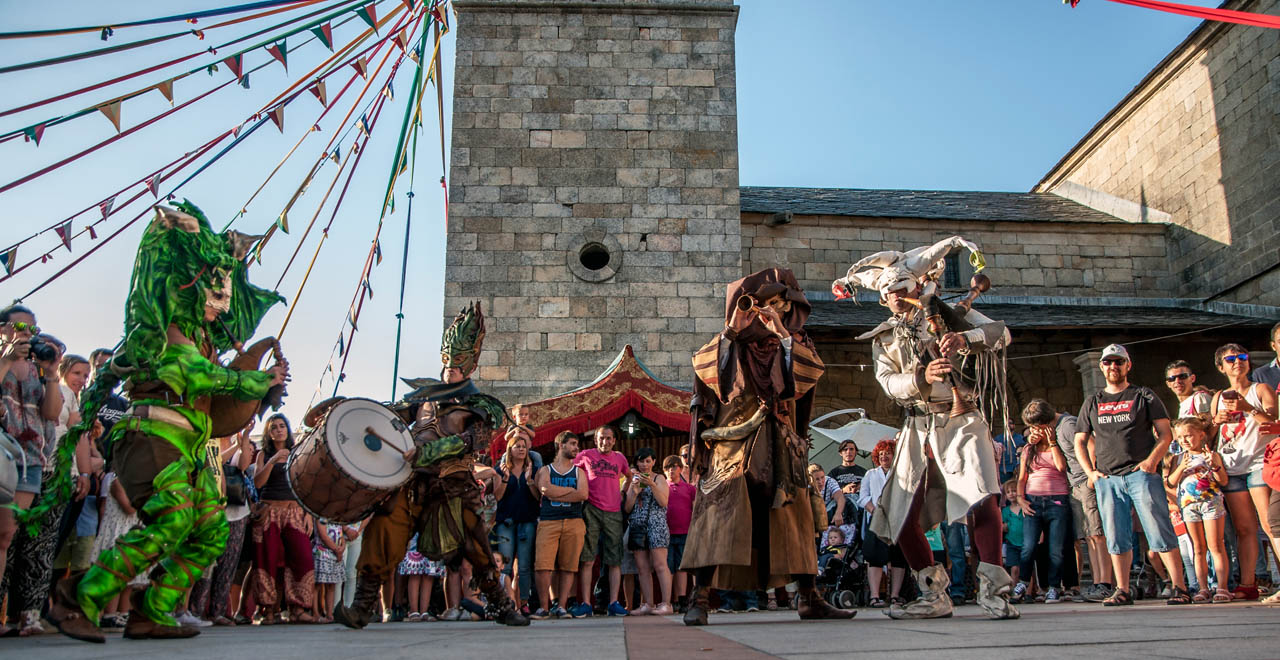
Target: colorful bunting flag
(44, 258)
(368, 288)
(9, 259)
(166, 88)
(325, 34)
(244, 81)
(235, 62)
(342, 344)
(153, 184)
(351, 318)
(280, 51)
(33, 133)
(93, 234)
(389, 92)
(107, 32)
(362, 67)
(416, 55)
(112, 112)
(366, 12)
(199, 34)
(364, 125)
(105, 207)
(283, 221)
(277, 117)
(442, 17)
(335, 156)
(402, 40)
(321, 95)
(377, 251)
(64, 233)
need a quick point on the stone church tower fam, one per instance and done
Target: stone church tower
(593, 185)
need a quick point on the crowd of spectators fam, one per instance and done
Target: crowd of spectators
(1185, 508)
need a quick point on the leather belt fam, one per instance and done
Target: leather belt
(161, 414)
(928, 407)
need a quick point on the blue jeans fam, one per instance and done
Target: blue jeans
(1145, 493)
(1052, 515)
(515, 540)
(957, 542)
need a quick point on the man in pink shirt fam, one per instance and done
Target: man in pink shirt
(606, 469)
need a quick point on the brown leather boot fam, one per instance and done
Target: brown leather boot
(696, 615)
(813, 606)
(140, 627)
(67, 614)
(359, 613)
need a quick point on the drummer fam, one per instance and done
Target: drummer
(441, 502)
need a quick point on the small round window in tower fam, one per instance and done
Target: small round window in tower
(593, 256)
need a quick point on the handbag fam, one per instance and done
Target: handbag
(237, 491)
(10, 450)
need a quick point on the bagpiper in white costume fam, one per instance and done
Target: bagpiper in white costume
(945, 465)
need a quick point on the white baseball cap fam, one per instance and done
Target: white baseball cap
(1115, 350)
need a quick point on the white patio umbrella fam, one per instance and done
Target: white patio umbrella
(864, 432)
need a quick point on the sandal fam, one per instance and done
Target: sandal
(878, 603)
(31, 624)
(1273, 599)
(301, 618)
(1201, 597)
(1222, 596)
(1245, 592)
(1118, 598)
(1180, 597)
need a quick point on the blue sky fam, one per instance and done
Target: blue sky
(923, 94)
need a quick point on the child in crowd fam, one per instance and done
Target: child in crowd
(937, 544)
(1011, 515)
(117, 517)
(327, 546)
(1198, 477)
(422, 574)
(834, 549)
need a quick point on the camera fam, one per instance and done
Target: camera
(42, 351)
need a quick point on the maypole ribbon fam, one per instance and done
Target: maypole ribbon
(106, 30)
(1205, 13)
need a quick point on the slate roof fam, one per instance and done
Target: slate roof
(935, 204)
(831, 315)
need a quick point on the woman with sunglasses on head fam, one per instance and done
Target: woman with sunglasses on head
(1240, 411)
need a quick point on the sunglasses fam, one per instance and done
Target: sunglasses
(1231, 359)
(1114, 361)
(1177, 377)
(22, 325)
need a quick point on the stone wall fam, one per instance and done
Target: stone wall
(1023, 258)
(593, 185)
(1199, 139)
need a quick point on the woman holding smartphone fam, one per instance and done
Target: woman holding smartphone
(649, 535)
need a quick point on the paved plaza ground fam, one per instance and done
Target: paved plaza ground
(1238, 631)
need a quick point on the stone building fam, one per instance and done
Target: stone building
(596, 204)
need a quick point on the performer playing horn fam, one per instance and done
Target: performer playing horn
(190, 300)
(753, 525)
(452, 421)
(945, 465)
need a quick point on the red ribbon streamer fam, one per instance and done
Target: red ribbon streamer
(1207, 13)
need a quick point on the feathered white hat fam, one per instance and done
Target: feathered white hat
(891, 270)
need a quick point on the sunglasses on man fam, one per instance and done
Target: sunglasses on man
(1231, 359)
(1174, 377)
(1114, 361)
(22, 325)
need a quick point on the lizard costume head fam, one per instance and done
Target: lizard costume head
(891, 270)
(182, 268)
(460, 345)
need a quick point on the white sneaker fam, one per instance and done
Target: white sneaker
(452, 614)
(1053, 596)
(189, 619)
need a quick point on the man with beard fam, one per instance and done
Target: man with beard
(945, 465)
(753, 525)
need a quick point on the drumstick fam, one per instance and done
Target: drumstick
(369, 431)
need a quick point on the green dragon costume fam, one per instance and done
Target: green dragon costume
(158, 450)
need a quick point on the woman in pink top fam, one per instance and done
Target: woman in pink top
(1044, 491)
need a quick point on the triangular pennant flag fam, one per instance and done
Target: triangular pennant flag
(442, 17)
(402, 40)
(364, 124)
(351, 318)
(377, 251)
(153, 184)
(321, 95)
(8, 259)
(64, 233)
(234, 63)
(199, 34)
(369, 288)
(280, 51)
(325, 34)
(44, 258)
(93, 235)
(112, 112)
(415, 54)
(166, 88)
(389, 92)
(342, 344)
(34, 133)
(283, 221)
(244, 81)
(277, 117)
(362, 67)
(335, 156)
(105, 207)
(366, 12)
(235, 132)
(391, 206)
(107, 32)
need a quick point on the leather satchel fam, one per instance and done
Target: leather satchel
(10, 451)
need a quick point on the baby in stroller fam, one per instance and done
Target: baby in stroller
(841, 575)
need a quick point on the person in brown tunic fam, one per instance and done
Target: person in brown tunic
(753, 521)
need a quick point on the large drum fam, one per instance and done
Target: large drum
(352, 460)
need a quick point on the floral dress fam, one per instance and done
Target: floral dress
(329, 569)
(415, 563)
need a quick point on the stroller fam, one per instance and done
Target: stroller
(842, 579)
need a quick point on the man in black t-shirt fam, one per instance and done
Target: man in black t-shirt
(1122, 433)
(849, 476)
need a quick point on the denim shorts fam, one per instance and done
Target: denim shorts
(1145, 493)
(1238, 483)
(29, 479)
(1214, 508)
